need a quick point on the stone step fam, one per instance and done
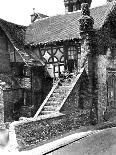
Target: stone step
(50, 107)
(60, 95)
(43, 112)
(65, 87)
(56, 93)
(55, 103)
(57, 99)
(52, 98)
(60, 90)
(56, 96)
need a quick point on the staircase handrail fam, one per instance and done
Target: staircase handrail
(46, 99)
(76, 79)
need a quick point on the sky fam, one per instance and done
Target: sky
(19, 11)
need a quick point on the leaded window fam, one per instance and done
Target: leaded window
(74, 56)
(56, 57)
(72, 53)
(52, 54)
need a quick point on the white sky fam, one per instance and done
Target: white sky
(19, 11)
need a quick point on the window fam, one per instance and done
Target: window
(114, 50)
(71, 53)
(52, 54)
(111, 89)
(58, 69)
(74, 57)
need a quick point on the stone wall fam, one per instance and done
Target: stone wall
(104, 61)
(102, 86)
(79, 97)
(1, 106)
(33, 133)
(10, 98)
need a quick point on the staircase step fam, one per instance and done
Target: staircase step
(56, 100)
(50, 103)
(64, 87)
(46, 112)
(60, 90)
(50, 107)
(52, 98)
(57, 97)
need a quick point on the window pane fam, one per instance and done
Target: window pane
(42, 52)
(58, 54)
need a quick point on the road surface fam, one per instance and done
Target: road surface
(101, 143)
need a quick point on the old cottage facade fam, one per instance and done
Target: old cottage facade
(76, 40)
(61, 64)
(19, 74)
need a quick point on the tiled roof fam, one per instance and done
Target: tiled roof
(15, 33)
(40, 15)
(29, 59)
(64, 27)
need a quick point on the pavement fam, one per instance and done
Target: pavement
(63, 141)
(101, 143)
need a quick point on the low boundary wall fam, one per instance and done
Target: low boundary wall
(32, 133)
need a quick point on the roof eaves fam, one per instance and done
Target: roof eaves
(66, 32)
(7, 27)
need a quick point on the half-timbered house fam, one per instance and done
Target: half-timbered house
(63, 63)
(70, 42)
(21, 75)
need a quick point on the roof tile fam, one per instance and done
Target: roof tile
(63, 27)
(15, 33)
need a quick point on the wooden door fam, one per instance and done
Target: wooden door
(58, 69)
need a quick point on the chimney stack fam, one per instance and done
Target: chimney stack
(33, 16)
(109, 0)
(36, 16)
(74, 5)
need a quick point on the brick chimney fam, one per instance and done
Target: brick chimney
(109, 0)
(36, 16)
(74, 5)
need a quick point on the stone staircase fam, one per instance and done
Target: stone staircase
(57, 95)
